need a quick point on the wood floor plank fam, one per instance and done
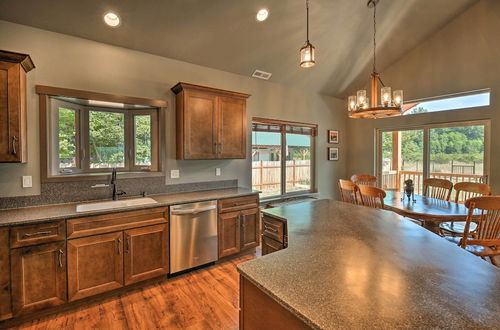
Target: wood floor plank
(207, 298)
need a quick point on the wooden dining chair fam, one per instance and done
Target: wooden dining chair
(464, 191)
(349, 191)
(485, 240)
(372, 196)
(438, 188)
(364, 179)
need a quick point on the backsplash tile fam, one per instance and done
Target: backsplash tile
(67, 192)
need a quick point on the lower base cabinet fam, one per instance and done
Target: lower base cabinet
(270, 245)
(146, 253)
(5, 306)
(238, 231)
(95, 265)
(38, 277)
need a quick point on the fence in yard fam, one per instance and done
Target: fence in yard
(266, 175)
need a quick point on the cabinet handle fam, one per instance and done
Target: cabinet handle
(128, 245)
(119, 246)
(39, 233)
(60, 257)
(271, 229)
(14, 150)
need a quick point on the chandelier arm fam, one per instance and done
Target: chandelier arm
(381, 82)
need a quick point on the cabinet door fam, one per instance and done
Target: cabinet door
(38, 277)
(232, 128)
(5, 309)
(146, 253)
(95, 265)
(229, 233)
(249, 228)
(12, 113)
(199, 125)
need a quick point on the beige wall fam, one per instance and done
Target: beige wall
(463, 56)
(70, 62)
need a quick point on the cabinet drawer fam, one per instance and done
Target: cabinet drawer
(35, 234)
(270, 245)
(116, 221)
(239, 203)
(273, 228)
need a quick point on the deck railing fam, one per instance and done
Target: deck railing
(390, 179)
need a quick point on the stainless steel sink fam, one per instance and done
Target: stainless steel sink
(114, 204)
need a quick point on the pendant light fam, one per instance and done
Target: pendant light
(307, 59)
(359, 106)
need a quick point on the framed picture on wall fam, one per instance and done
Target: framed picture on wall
(333, 153)
(333, 136)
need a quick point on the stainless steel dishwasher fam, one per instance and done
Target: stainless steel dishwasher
(193, 235)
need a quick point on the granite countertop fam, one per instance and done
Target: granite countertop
(52, 212)
(353, 267)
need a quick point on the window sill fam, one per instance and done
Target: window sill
(290, 196)
(100, 176)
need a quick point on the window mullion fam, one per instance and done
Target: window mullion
(426, 156)
(283, 160)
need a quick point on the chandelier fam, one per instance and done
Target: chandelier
(359, 106)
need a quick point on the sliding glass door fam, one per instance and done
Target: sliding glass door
(455, 151)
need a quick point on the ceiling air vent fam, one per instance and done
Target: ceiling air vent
(261, 74)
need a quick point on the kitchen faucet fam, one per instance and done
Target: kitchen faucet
(113, 183)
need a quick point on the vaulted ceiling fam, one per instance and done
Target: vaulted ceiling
(225, 35)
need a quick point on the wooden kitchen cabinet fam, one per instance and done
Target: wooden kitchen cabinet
(38, 276)
(95, 265)
(249, 228)
(238, 224)
(146, 253)
(5, 306)
(229, 233)
(13, 121)
(211, 123)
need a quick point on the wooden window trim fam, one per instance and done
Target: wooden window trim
(283, 131)
(46, 125)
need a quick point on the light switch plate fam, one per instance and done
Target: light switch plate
(174, 174)
(217, 171)
(27, 181)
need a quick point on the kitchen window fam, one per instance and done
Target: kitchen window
(465, 100)
(282, 157)
(86, 137)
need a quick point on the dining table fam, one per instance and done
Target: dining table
(430, 211)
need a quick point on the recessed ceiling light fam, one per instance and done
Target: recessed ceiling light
(112, 19)
(262, 14)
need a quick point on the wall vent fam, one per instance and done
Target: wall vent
(261, 74)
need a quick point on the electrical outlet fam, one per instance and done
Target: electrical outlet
(217, 171)
(174, 174)
(27, 181)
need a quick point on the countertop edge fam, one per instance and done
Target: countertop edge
(118, 210)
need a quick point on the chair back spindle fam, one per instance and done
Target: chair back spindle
(438, 188)
(348, 191)
(372, 196)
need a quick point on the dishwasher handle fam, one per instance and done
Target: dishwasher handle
(194, 211)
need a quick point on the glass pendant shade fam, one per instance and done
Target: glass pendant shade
(385, 96)
(352, 103)
(307, 56)
(361, 98)
(397, 98)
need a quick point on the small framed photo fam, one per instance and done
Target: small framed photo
(333, 136)
(333, 153)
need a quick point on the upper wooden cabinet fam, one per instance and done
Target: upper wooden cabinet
(13, 68)
(211, 123)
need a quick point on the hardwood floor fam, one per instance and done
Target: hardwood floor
(203, 299)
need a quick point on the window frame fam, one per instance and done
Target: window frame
(49, 134)
(283, 132)
(426, 143)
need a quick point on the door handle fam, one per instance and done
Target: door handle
(14, 150)
(128, 245)
(60, 257)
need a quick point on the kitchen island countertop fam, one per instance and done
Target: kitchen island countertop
(353, 267)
